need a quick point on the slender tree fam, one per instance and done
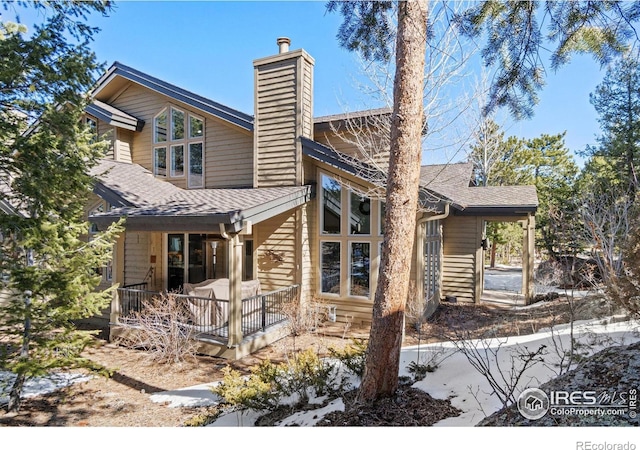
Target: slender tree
(47, 262)
(382, 363)
(513, 48)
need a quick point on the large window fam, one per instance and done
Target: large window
(350, 238)
(182, 134)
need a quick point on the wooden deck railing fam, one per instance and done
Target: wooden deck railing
(209, 317)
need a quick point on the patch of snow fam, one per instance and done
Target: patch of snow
(194, 396)
(39, 385)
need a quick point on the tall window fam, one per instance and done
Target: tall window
(178, 139)
(350, 239)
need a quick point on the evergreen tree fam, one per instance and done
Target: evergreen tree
(617, 102)
(47, 262)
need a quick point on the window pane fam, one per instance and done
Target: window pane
(360, 217)
(196, 127)
(177, 160)
(160, 161)
(331, 205)
(330, 262)
(195, 165)
(248, 261)
(197, 258)
(175, 262)
(359, 267)
(177, 124)
(382, 213)
(160, 127)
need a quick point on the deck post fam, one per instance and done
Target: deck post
(118, 277)
(235, 291)
(528, 258)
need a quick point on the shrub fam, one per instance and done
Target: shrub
(352, 356)
(268, 383)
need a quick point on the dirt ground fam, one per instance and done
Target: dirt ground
(123, 399)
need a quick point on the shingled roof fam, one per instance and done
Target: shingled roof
(154, 205)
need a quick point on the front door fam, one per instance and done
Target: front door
(186, 260)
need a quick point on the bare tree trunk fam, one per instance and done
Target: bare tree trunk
(382, 363)
(15, 395)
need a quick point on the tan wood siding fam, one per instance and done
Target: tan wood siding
(275, 241)
(275, 127)
(307, 277)
(107, 133)
(136, 257)
(352, 311)
(123, 145)
(283, 112)
(228, 149)
(459, 258)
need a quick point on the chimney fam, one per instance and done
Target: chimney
(283, 99)
(283, 44)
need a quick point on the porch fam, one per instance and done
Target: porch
(262, 318)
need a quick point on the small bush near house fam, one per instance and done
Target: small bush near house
(269, 384)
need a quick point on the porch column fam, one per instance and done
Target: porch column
(117, 267)
(528, 253)
(235, 290)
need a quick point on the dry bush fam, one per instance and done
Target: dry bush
(624, 290)
(162, 329)
(301, 318)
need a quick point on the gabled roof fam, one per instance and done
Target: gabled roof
(448, 183)
(154, 205)
(219, 110)
(114, 116)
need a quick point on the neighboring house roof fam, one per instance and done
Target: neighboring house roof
(326, 123)
(219, 110)
(154, 205)
(114, 116)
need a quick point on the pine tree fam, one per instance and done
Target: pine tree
(47, 262)
(617, 102)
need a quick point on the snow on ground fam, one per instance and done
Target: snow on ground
(455, 378)
(39, 385)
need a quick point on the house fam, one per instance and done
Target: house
(215, 198)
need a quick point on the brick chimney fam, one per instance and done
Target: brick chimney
(283, 86)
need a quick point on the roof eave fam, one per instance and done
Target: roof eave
(505, 211)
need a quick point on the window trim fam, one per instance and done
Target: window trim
(186, 141)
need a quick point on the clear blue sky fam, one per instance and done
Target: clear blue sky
(208, 47)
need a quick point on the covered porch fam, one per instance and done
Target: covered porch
(179, 241)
